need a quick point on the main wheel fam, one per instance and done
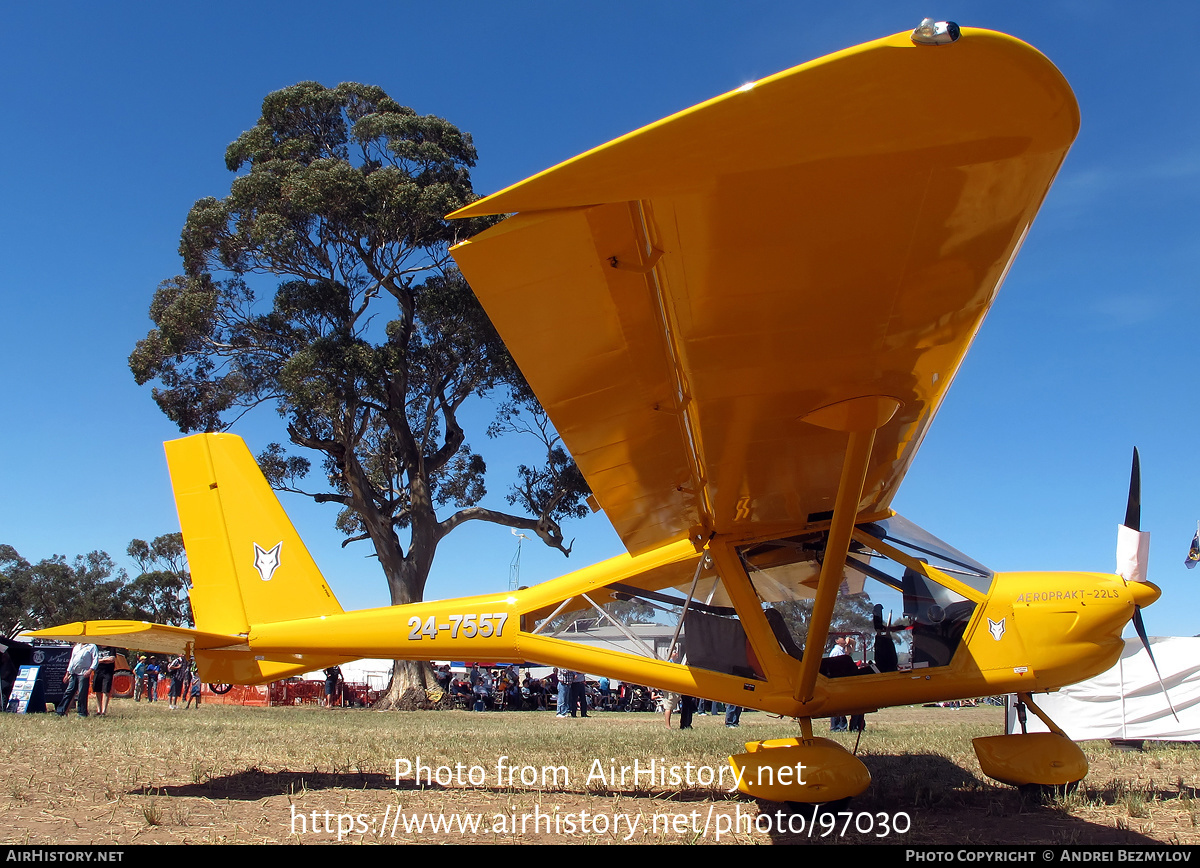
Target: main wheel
(123, 683)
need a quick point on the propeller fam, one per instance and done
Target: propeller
(880, 627)
(1133, 553)
(885, 645)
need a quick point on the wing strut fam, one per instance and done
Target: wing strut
(860, 418)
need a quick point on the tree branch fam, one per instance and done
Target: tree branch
(546, 528)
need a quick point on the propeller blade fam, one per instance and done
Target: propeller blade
(1133, 546)
(1133, 507)
(1140, 626)
(1133, 550)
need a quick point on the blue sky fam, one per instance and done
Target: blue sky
(115, 120)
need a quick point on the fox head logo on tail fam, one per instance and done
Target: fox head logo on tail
(266, 562)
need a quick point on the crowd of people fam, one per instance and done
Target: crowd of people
(91, 669)
(495, 689)
(505, 689)
(183, 678)
(568, 693)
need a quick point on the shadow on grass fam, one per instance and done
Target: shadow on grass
(913, 799)
(254, 784)
(927, 799)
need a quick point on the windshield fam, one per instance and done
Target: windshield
(925, 547)
(888, 615)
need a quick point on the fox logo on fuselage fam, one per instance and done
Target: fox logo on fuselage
(266, 562)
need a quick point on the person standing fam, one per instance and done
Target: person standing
(838, 722)
(578, 698)
(194, 689)
(152, 681)
(139, 678)
(565, 678)
(672, 700)
(333, 675)
(177, 671)
(79, 671)
(858, 722)
(102, 681)
(733, 715)
(687, 707)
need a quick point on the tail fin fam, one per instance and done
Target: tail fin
(247, 562)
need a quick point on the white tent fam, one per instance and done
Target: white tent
(1126, 702)
(376, 674)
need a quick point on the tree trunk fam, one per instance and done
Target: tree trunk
(411, 679)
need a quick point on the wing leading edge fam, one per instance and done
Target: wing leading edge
(681, 297)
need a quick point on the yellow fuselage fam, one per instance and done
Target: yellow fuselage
(1032, 632)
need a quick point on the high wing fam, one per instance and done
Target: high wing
(681, 298)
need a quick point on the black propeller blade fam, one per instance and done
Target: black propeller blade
(1133, 507)
(1133, 521)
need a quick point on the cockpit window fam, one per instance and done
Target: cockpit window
(679, 611)
(892, 614)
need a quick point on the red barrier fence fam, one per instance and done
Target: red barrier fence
(280, 693)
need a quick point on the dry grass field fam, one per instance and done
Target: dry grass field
(148, 775)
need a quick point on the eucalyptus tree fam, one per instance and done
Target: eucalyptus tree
(159, 590)
(54, 591)
(371, 343)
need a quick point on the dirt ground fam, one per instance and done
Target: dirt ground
(92, 793)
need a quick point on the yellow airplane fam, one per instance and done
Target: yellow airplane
(741, 319)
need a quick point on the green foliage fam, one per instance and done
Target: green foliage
(372, 342)
(160, 590)
(15, 579)
(851, 614)
(53, 591)
(554, 488)
(91, 587)
(627, 612)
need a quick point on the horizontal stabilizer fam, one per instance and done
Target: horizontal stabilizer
(142, 636)
(220, 657)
